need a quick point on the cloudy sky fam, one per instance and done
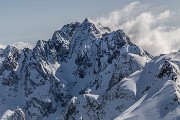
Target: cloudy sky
(152, 24)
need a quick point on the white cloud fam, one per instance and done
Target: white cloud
(145, 28)
(117, 17)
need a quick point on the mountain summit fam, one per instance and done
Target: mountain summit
(84, 73)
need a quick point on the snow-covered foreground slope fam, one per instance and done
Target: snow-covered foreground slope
(87, 72)
(158, 91)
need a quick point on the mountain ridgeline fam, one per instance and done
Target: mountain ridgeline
(88, 72)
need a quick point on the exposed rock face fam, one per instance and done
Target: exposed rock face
(168, 70)
(81, 73)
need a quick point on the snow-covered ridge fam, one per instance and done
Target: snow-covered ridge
(2, 46)
(22, 45)
(86, 73)
(18, 45)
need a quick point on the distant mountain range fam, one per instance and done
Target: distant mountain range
(88, 72)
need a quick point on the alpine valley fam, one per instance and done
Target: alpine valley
(88, 72)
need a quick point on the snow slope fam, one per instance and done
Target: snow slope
(158, 96)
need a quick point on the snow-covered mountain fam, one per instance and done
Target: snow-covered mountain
(87, 72)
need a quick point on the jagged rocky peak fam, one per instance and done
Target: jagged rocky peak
(79, 32)
(68, 37)
(103, 29)
(65, 32)
(119, 38)
(40, 44)
(88, 28)
(13, 52)
(87, 21)
(9, 49)
(168, 69)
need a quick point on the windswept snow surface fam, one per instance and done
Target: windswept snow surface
(160, 98)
